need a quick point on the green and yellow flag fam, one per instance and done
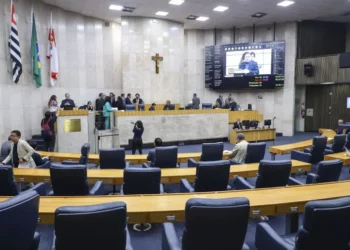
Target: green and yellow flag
(34, 51)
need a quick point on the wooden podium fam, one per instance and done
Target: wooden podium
(254, 135)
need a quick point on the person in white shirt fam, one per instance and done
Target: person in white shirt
(239, 152)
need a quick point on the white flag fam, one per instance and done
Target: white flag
(53, 57)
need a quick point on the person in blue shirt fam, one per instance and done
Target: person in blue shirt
(128, 99)
(67, 101)
(152, 153)
(153, 107)
(137, 140)
(107, 109)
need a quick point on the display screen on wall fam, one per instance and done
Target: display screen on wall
(348, 103)
(245, 66)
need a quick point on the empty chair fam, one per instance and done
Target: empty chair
(210, 176)
(84, 158)
(270, 174)
(165, 157)
(113, 158)
(317, 150)
(8, 184)
(337, 146)
(210, 224)
(102, 226)
(72, 181)
(207, 105)
(255, 152)
(210, 152)
(130, 107)
(326, 225)
(327, 171)
(19, 219)
(141, 107)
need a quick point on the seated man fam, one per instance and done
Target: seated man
(5, 149)
(238, 124)
(151, 155)
(239, 152)
(153, 107)
(167, 105)
(343, 131)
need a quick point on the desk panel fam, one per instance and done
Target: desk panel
(254, 135)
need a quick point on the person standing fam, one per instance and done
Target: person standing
(123, 98)
(21, 151)
(53, 105)
(107, 109)
(137, 99)
(67, 101)
(195, 101)
(221, 102)
(100, 101)
(128, 99)
(229, 100)
(137, 139)
(113, 100)
(48, 131)
(120, 104)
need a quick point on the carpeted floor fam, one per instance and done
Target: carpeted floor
(151, 240)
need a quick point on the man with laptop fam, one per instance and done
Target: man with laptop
(67, 104)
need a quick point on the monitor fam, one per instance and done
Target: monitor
(246, 123)
(254, 124)
(348, 102)
(267, 123)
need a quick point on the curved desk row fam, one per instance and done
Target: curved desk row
(339, 156)
(172, 175)
(288, 148)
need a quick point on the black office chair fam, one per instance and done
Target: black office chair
(113, 158)
(270, 174)
(142, 181)
(72, 181)
(327, 171)
(19, 218)
(102, 226)
(317, 150)
(210, 152)
(165, 157)
(255, 152)
(326, 225)
(8, 184)
(210, 176)
(210, 224)
(337, 146)
(84, 158)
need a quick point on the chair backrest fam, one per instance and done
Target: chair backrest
(165, 157)
(207, 105)
(19, 219)
(347, 142)
(215, 223)
(212, 176)
(212, 151)
(338, 143)
(326, 225)
(69, 180)
(91, 227)
(142, 181)
(328, 171)
(255, 152)
(141, 107)
(85, 150)
(112, 158)
(130, 107)
(318, 146)
(8, 185)
(273, 173)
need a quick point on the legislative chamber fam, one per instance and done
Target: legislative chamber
(172, 125)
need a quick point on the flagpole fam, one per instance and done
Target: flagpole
(51, 20)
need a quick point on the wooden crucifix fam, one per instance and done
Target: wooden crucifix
(157, 59)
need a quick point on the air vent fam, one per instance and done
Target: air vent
(192, 17)
(259, 15)
(128, 9)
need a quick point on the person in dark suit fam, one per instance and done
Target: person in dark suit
(128, 99)
(153, 107)
(113, 100)
(137, 99)
(167, 105)
(119, 103)
(100, 101)
(152, 154)
(238, 124)
(137, 140)
(220, 101)
(67, 101)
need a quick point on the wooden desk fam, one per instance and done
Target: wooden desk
(254, 135)
(245, 115)
(133, 159)
(288, 148)
(339, 156)
(170, 207)
(115, 176)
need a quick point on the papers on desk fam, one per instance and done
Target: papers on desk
(23, 165)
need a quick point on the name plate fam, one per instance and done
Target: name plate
(72, 125)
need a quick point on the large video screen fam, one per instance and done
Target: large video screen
(245, 66)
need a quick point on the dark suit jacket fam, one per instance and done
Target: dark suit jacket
(70, 102)
(221, 102)
(151, 109)
(237, 125)
(127, 101)
(99, 104)
(140, 101)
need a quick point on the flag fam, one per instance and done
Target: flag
(34, 51)
(53, 57)
(15, 50)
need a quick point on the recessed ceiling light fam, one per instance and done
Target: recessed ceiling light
(176, 2)
(162, 13)
(221, 8)
(259, 14)
(285, 3)
(192, 17)
(202, 18)
(116, 7)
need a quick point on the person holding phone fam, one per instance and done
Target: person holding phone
(137, 139)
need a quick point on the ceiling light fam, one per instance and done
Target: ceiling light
(221, 8)
(192, 17)
(259, 14)
(202, 18)
(285, 3)
(176, 2)
(162, 13)
(116, 7)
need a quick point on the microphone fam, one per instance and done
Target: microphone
(274, 118)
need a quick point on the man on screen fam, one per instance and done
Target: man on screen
(247, 65)
(253, 64)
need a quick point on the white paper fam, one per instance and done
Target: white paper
(23, 165)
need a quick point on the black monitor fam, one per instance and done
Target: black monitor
(267, 123)
(254, 124)
(68, 107)
(246, 123)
